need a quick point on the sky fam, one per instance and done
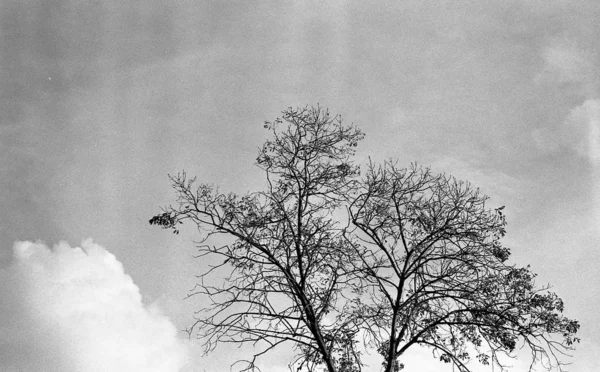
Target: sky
(100, 101)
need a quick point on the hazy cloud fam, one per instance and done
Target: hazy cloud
(74, 309)
(565, 62)
(580, 132)
(492, 182)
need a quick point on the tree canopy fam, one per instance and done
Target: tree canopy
(334, 261)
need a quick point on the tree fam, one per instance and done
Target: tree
(322, 258)
(289, 262)
(434, 273)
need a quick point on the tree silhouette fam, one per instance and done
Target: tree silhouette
(434, 273)
(322, 259)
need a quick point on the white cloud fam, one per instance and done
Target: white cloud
(581, 130)
(565, 62)
(74, 309)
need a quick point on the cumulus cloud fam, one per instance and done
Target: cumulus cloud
(74, 309)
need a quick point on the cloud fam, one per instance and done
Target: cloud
(492, 182)
(579, 132)
(74, 309)
(565, 62)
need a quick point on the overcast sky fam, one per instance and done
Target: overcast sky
(100, 100)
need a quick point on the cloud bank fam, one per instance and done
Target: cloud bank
(74, 309)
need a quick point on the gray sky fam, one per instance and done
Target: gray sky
(99, 101)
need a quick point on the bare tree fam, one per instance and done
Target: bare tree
(434, 274)
(322, 259)
(288, 264)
